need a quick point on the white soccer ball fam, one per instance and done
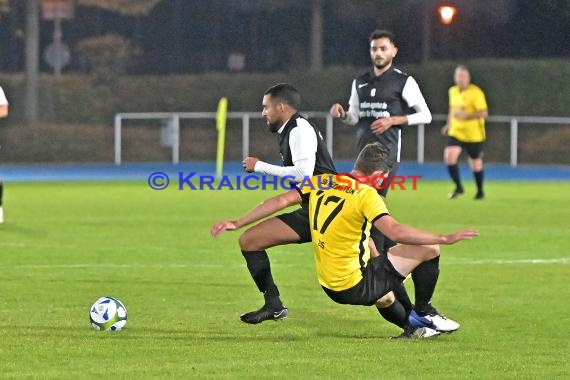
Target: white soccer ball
(108, 313)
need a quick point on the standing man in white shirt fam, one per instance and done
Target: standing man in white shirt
(3, 114)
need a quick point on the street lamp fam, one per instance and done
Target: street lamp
(446, 13)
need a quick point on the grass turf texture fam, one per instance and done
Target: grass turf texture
(66, 244)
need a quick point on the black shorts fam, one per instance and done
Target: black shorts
(380, 277)
(474, 149)
(383, 243)
(298, 220)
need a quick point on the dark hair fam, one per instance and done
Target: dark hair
(374, 157)
(286, 93)
(381, 33)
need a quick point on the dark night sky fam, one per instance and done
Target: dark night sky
(195, 36)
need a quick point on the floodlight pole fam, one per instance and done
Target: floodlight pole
(32, 61)
(57, 34)
(426, 31)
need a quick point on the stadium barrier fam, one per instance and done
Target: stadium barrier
(172, 121)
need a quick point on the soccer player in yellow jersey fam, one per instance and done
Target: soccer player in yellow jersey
(465, 129)
(342, 209)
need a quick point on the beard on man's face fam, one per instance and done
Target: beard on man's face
(273, 127)
(379, 63)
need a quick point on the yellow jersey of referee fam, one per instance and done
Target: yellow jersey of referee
(341, 213)
(472, 99)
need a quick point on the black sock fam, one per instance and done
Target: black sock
(425, 278)
(1, 192)
(479, 181)
(383, 244)
(402, 295)
(395, 313)
(260, 270)
(454, 174)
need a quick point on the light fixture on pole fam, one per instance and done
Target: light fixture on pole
(446, 13)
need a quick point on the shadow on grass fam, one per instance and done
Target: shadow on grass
(151, 333)
(22, 229)
(241, 334)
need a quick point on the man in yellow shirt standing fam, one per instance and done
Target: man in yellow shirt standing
(465, 129)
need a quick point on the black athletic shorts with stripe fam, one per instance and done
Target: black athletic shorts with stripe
(380, 278)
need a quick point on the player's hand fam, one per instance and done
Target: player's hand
(444, 130)
(380, 126)
(460, 235)
(224, 225)
(460, 115)
(248, 164)
(337, 111)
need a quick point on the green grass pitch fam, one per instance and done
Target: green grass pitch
(66, 244)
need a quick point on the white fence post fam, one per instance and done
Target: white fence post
(421, 143)
(247, 116)
(245, 135)
(118, 139)
(329, 132)
(175, 138)
(514, 141)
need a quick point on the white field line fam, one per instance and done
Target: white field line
(455, 261)
(563, 260)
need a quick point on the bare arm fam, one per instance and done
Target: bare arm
(264, 209)
(445, 128)
(461, 115)
(3, 111)
(381, 125)
(402, 233)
